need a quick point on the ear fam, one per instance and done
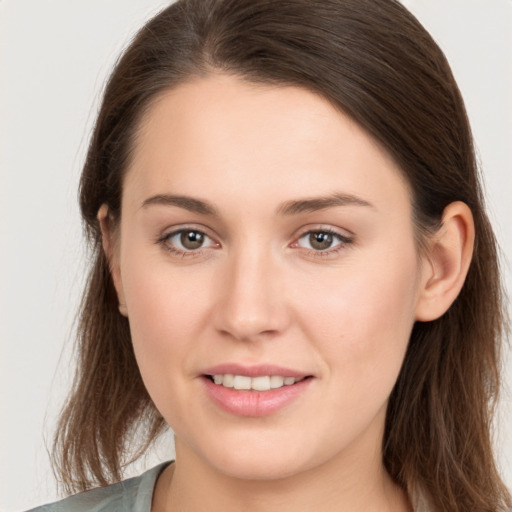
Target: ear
(111, 249)
(446, 262)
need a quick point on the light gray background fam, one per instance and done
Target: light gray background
(54, 58)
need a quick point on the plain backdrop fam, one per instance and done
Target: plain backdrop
(54, 58)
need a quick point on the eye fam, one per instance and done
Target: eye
(322, 240)
(187, 240)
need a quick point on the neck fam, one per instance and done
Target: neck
(357, 486)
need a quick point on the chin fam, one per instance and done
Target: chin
(259, 459)
(260, 467)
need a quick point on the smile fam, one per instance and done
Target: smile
(254, 396)
(258, 383)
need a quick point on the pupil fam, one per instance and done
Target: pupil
(192, 239)
(320, 240)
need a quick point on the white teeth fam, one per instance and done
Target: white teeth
(260, 383)
(228, 381)
(276, 381)
(242, 382)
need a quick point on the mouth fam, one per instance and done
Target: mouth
(256, 383)
(255, 391)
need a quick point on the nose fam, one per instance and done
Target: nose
(251, 300)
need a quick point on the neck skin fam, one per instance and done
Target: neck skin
(355, 481)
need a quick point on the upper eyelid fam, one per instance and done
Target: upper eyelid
(342, 238)
(180, 228)
(341, 232)
(175, 232)
(325, 230)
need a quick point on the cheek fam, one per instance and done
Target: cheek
(361, 320)
(162, 321)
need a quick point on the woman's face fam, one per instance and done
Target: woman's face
(264, 235)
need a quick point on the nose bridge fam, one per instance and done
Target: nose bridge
(250, 302)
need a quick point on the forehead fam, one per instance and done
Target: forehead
(216, 135)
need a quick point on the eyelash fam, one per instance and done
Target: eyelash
(343, 241)
(164, 241)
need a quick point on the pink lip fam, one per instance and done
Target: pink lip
(253, 370)
(253, 403)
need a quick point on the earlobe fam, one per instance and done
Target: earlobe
(111, 252)
(446, 263)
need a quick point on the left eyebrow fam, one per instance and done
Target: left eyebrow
(314, 204)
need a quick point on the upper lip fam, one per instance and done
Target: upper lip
(253, 370)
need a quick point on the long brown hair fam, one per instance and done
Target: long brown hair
(375, 62)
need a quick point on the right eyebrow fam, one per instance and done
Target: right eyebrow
(188, 203)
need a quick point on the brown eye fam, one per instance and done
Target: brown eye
(191, 240)
(320, 240)
(323, 241)
(187, 241)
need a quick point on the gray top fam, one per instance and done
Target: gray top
(132, 495)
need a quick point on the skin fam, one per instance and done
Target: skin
(257, 291)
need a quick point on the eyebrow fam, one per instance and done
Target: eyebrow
(314, 204)
(294, 207)
(186, 202)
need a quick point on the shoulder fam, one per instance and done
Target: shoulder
(132, 495)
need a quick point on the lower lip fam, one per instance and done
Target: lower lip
(254, 403)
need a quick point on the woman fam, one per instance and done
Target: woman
(293, 270)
